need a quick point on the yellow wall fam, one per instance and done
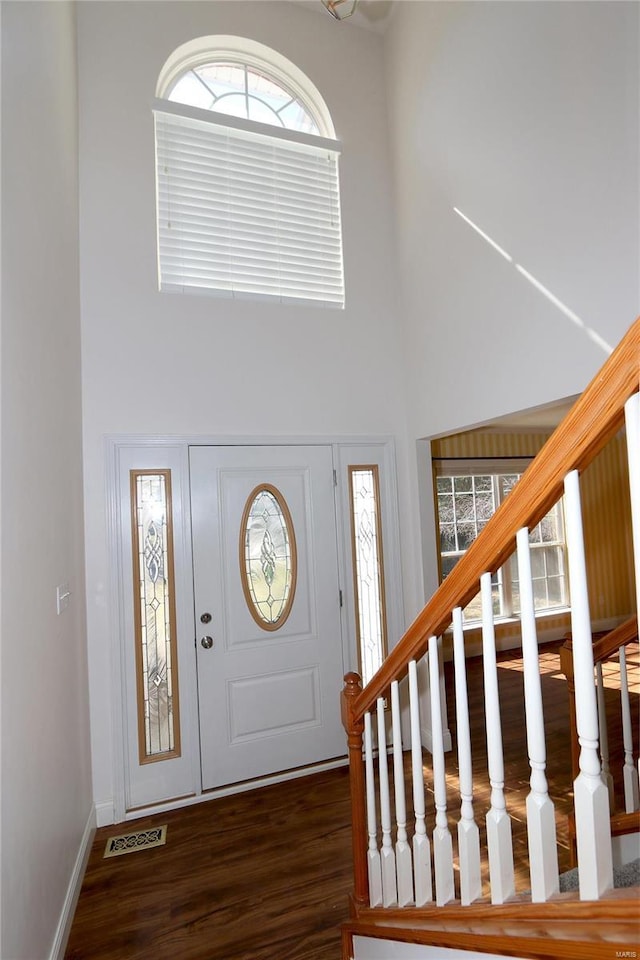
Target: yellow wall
(606, 516)
(607, 532)
(475, 443)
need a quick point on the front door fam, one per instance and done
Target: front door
(269, 650)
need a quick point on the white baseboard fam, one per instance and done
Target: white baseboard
(368, 948)
(427, 740)
(625, 849)
(105, 813)
(473, 643)
(234, 788)
(73, 890)
(105, 809)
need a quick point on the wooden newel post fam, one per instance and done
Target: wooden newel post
(354, 729)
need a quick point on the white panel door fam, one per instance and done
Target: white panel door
(268, 692)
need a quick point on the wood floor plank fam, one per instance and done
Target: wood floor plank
(265, 875)
(259, 875)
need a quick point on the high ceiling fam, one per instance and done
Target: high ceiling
(370, 14)
(374, 11)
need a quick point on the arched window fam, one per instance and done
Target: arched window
(247, 176)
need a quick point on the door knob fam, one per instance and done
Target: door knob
(207, 642)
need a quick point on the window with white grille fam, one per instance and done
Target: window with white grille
(467, 497)
(248, 201)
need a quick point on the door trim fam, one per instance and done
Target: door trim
(123, 448)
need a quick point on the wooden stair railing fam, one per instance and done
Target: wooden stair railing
(594, 419)
(560, 930)
(605, 644)
(610, 401)
(608, 645)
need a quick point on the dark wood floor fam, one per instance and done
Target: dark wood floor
(265, 875)
(257, 876)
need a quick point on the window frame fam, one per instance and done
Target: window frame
(246, 95)
(368, 665)
(146, 753)
(258, 56)
(504, 577)
(269, 228)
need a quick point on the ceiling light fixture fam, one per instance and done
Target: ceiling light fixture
(340, 9)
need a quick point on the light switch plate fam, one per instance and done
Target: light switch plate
(63, 596)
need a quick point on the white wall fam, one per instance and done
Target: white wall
(524, 116)
(46, 775)
(172, 364)
(368, 948)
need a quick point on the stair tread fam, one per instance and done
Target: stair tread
(564, 927)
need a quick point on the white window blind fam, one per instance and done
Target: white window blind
(246, 214)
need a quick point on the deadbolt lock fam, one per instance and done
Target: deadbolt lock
(205, 618)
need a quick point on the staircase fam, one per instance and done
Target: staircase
(610, 660)
(430, 869)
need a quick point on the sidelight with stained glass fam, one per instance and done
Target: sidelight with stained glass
(154, 609)
(368, 576)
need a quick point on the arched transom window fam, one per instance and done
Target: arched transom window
(247, 177)
(239, 90)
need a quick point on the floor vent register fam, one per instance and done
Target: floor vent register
(130, 842)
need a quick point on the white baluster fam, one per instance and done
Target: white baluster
(468, 833)
(421, 845)
(499, 842)
(591, 797)
(404, 869)
(387, 857)
(373, 855)
(632, 420)
(442, 842)
(629, 770)
(605, 770)
(541, 823)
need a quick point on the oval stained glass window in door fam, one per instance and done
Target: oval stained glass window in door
(268, 565)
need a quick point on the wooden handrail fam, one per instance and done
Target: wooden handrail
(593, 420)
(562, 928)
(623, 634)
(604, 646)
